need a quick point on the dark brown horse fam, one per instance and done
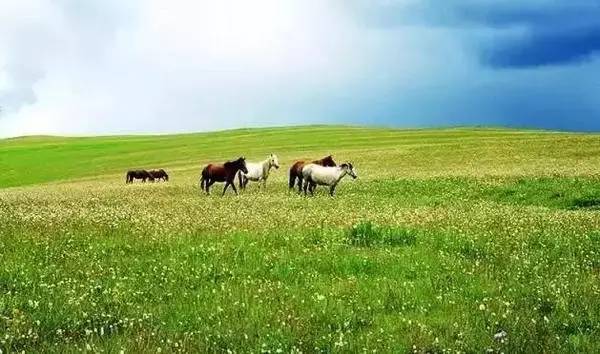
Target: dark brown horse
(138, 174)
(159, 174)
(296, 170)
(222, 173)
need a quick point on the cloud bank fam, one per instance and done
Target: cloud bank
(108, 67)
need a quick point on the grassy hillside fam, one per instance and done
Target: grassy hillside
(34, 160)
(450, 239)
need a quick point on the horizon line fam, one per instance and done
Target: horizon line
(291, 126)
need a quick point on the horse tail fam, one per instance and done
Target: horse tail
(203, 177)
(292, 176)
(205, 173)
(202, 182)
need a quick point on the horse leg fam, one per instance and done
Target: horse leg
(331, 190)
(225, 188)
(234, 189)
(292, 180)
(311, 188)
(209, 183)
(240, 180)
(300, 180)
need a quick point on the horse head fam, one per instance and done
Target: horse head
(273, 161)
(241, 164)
(349, 169)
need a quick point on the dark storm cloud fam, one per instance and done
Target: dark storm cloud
(544, 48)
(543, 32)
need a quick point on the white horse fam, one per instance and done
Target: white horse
(258, 171)
(314, 175)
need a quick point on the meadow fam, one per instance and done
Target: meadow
(451, 240)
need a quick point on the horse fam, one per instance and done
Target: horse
(222, 173)
(296, 170)
(328, 176)
(258, 172)
(138, 174)
(159, 175)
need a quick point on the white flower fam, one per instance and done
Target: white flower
(500, 335)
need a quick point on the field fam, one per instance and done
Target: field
(458, 240)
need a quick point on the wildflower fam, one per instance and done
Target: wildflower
(500, 335)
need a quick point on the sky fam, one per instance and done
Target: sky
(71, 67)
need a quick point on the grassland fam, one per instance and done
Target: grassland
(450, 240)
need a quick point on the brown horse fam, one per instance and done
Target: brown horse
(138, 174)
(222, 173)
(159, 175)
(296, 170)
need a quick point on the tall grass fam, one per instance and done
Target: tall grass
(366, 234)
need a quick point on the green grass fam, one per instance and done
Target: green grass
(447, 238)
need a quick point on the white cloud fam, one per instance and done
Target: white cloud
(162, 65)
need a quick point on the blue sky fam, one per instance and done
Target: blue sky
(147, 66)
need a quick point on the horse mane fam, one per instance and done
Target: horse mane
(327, 160)
(233, 163)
